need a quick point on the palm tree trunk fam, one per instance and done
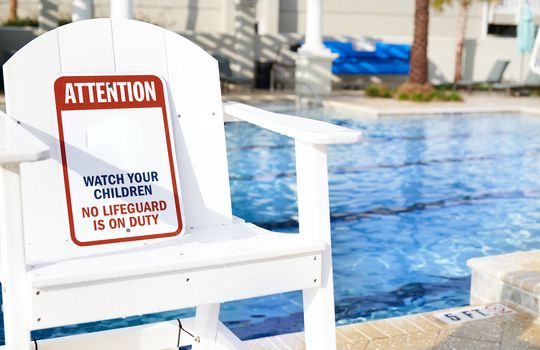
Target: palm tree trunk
(12, 10)
(460, 40)
(419, 63)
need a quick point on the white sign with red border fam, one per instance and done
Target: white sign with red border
(119, 165)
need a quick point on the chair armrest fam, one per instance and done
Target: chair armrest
(17, 145)
(302, 129)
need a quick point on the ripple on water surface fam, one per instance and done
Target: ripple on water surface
(409, 206)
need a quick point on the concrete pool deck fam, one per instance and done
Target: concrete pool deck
(473, 103)
(356, 102)
(423, 332)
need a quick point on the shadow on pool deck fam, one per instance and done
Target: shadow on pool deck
(424, 331)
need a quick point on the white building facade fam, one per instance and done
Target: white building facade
(262, 30)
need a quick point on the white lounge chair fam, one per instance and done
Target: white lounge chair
(51, 279)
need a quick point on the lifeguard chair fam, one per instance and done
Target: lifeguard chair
(89, 106)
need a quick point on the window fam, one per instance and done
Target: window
(504, 30)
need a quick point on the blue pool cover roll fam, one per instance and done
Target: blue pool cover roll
(386, 59)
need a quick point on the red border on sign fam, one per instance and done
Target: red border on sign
(59, 91)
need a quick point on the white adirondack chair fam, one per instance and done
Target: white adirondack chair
(48, 281)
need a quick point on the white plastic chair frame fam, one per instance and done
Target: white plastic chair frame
(23, 290)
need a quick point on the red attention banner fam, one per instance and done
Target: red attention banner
(118, 161)
(115, 91)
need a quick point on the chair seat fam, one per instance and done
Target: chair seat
(206, 247)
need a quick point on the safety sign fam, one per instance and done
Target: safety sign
(119, 165)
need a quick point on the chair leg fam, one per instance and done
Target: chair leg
(206, 323)
(16, 330)
(16, 301)
(314, 220)
(319, 315)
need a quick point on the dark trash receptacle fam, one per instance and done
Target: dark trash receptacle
(263, 70)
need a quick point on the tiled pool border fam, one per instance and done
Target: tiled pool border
(424, 331)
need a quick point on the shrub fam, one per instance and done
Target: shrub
(411, 88)
(425, 93)
(378, 90)
(454, 96)
(403, 96)
(438, 95)
(420, 97)
(444, 87)
(31, 22)
(21, 22)
(482, 87)
(387, 94)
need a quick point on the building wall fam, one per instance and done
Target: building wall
(211, 23)
(177, 15)
(371, 18)
(26, 8)
(374, 18)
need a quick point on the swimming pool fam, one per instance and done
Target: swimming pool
(409, 206)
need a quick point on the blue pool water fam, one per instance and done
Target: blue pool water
(409, 206)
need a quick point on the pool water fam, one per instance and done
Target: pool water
(409, 206)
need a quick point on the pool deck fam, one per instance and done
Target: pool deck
(424, 331)
(477, 102)
(356, 102)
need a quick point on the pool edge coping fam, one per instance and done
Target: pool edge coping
(423, 331)
(424, 110)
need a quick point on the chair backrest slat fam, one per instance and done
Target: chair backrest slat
(105, 46)
(195, 90)
(496, 73)
(86, 48)
(128, 37)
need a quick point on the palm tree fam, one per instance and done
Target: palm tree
(12, 10)
(418, 73)
(463, 12)
(462, 16)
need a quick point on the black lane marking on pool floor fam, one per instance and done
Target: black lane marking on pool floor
(258, 147)
(360, 169)
(381, 138)
(418, 206)
(366, 305)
